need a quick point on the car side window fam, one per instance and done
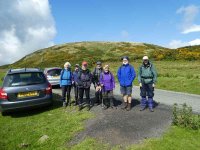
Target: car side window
(54, 72)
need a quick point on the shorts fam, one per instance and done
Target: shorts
(126, 90)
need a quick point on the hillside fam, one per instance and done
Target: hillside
(104, 51)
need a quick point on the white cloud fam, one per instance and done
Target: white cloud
(190, 13)
(25, 26)
(192, 28)
(194, 42)
(179, 43)
(124, 34)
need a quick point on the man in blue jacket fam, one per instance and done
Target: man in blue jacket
(126, 74)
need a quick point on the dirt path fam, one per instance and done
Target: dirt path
(119, 127)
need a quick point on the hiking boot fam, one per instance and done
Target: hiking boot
(151, 110)
(128, 107)
(80, 107)
(104, 107)
(111, 107)
(69, 102)
(143, 108)
(125, 105)
(88, 107)
(64, 104)
(75, 104)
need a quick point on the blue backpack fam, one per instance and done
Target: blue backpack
(62, 72)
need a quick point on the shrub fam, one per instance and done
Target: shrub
(184, 117)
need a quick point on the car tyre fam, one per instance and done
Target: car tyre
(3, 113)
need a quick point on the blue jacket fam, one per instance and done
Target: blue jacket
(66, 77)
(126, 74)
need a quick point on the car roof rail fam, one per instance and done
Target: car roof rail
(24, 70)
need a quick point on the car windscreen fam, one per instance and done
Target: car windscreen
(23, 79)
(54, 72)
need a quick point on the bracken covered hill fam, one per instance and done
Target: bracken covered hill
(104, 51)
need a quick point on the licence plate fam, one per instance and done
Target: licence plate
(27, 94)
(55, 77)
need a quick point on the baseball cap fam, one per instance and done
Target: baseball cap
(77, 65)
(98, 63)
(124, 57)
(84, 63)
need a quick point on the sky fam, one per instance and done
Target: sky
(29, 25)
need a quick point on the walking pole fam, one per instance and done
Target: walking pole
(102, 105)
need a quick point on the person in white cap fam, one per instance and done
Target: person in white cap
(66, 79)
(147, 77)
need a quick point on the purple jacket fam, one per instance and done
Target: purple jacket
(108, 80)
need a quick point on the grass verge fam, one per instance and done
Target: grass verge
(24, 129)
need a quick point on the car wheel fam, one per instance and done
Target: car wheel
(3, 113)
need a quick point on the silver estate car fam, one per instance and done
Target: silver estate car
(53, 75)
(23, 88)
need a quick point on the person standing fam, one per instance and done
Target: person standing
(66, 79)
(96, 81)
(147, 77)
(107, 82)
(84, 83)
(75, 75)
(126, 75)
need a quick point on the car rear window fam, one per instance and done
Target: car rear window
(54, 72)
(22, 79)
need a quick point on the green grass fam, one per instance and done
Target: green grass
(2, 74)
(27, 127)
(175, 139)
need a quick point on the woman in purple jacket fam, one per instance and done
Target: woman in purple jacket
(107, 82)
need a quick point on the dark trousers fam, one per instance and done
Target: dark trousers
(98, 96)
(76, 93)
(66, 88)
(87, 95)
(147, 90)
(108, 99)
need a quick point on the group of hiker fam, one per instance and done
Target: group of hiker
(104, 83)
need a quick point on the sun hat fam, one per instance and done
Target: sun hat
(145, 58)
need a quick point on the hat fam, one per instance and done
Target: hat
(77, 65)
(98, 63)
(124, 57)
(84, 63)
(145, 58)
